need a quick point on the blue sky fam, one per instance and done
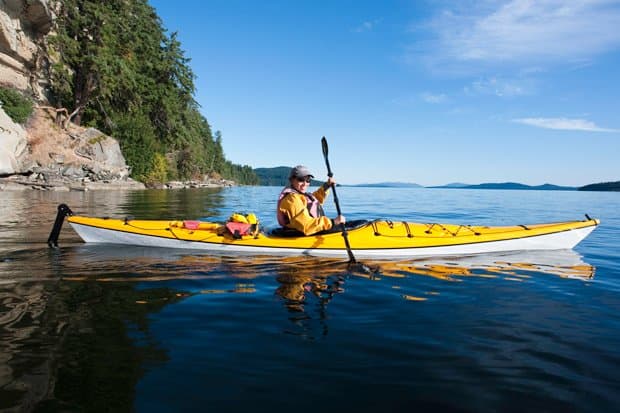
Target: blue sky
(430, 92)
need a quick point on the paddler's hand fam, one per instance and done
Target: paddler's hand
(340, 219)
(330, 181)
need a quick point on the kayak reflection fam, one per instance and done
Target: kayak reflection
(311, 273)
(307, 286)
(514, 266)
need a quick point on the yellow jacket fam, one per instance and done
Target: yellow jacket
(294, 207)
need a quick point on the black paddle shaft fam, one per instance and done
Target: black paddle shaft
(342, 227)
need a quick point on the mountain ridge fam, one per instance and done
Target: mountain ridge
(513, 185)
(278, 176)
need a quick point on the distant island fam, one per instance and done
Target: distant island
(278, 176)
(603, 186)
(510, 185)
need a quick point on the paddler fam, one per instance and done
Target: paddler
(303, 211)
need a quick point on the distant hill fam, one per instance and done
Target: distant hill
(515, 185)
(603, 186)
(512, 185)
(277, 176)
(389, 185)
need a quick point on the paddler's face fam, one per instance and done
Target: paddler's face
(301, 184)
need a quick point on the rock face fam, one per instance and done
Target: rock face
(49, 157)
(13, 146)
(23, 24)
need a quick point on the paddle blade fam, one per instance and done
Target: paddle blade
(324, 144)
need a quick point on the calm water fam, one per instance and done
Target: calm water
(118, 329)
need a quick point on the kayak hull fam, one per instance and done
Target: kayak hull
(378, 239)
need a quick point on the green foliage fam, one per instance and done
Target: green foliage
(96, 140)
(185, 163)
(159, 170)
(119, 70)
(137, 139)
(18, 107)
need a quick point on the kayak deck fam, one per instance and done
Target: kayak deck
(374, 239)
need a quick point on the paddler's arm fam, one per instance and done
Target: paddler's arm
(296, 210)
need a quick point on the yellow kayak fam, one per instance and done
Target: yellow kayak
(370, 239)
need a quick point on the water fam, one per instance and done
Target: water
(88, 328)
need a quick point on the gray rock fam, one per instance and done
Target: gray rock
(22, 23)
(73, 171)
(13, 145)
(13, 186)
(57, 157)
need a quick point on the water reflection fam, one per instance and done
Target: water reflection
(76, 336)
(306, 291)
(67, 346)
(306, 285)
(512, 266)
(177, 204)
(155, 264)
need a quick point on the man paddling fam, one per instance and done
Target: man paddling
(302, 211)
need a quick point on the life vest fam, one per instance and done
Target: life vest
(315, 209)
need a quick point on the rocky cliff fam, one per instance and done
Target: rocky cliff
(45, 156)
(23, 27)
(40, 154)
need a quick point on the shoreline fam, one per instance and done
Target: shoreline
(19, 183)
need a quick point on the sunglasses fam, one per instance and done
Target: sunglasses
(306, 179)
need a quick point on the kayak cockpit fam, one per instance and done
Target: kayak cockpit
(280, 232)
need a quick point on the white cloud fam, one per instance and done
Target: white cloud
(564, 124)
(433, 98)
(367, 26)
(527, 31)
(498, 87)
